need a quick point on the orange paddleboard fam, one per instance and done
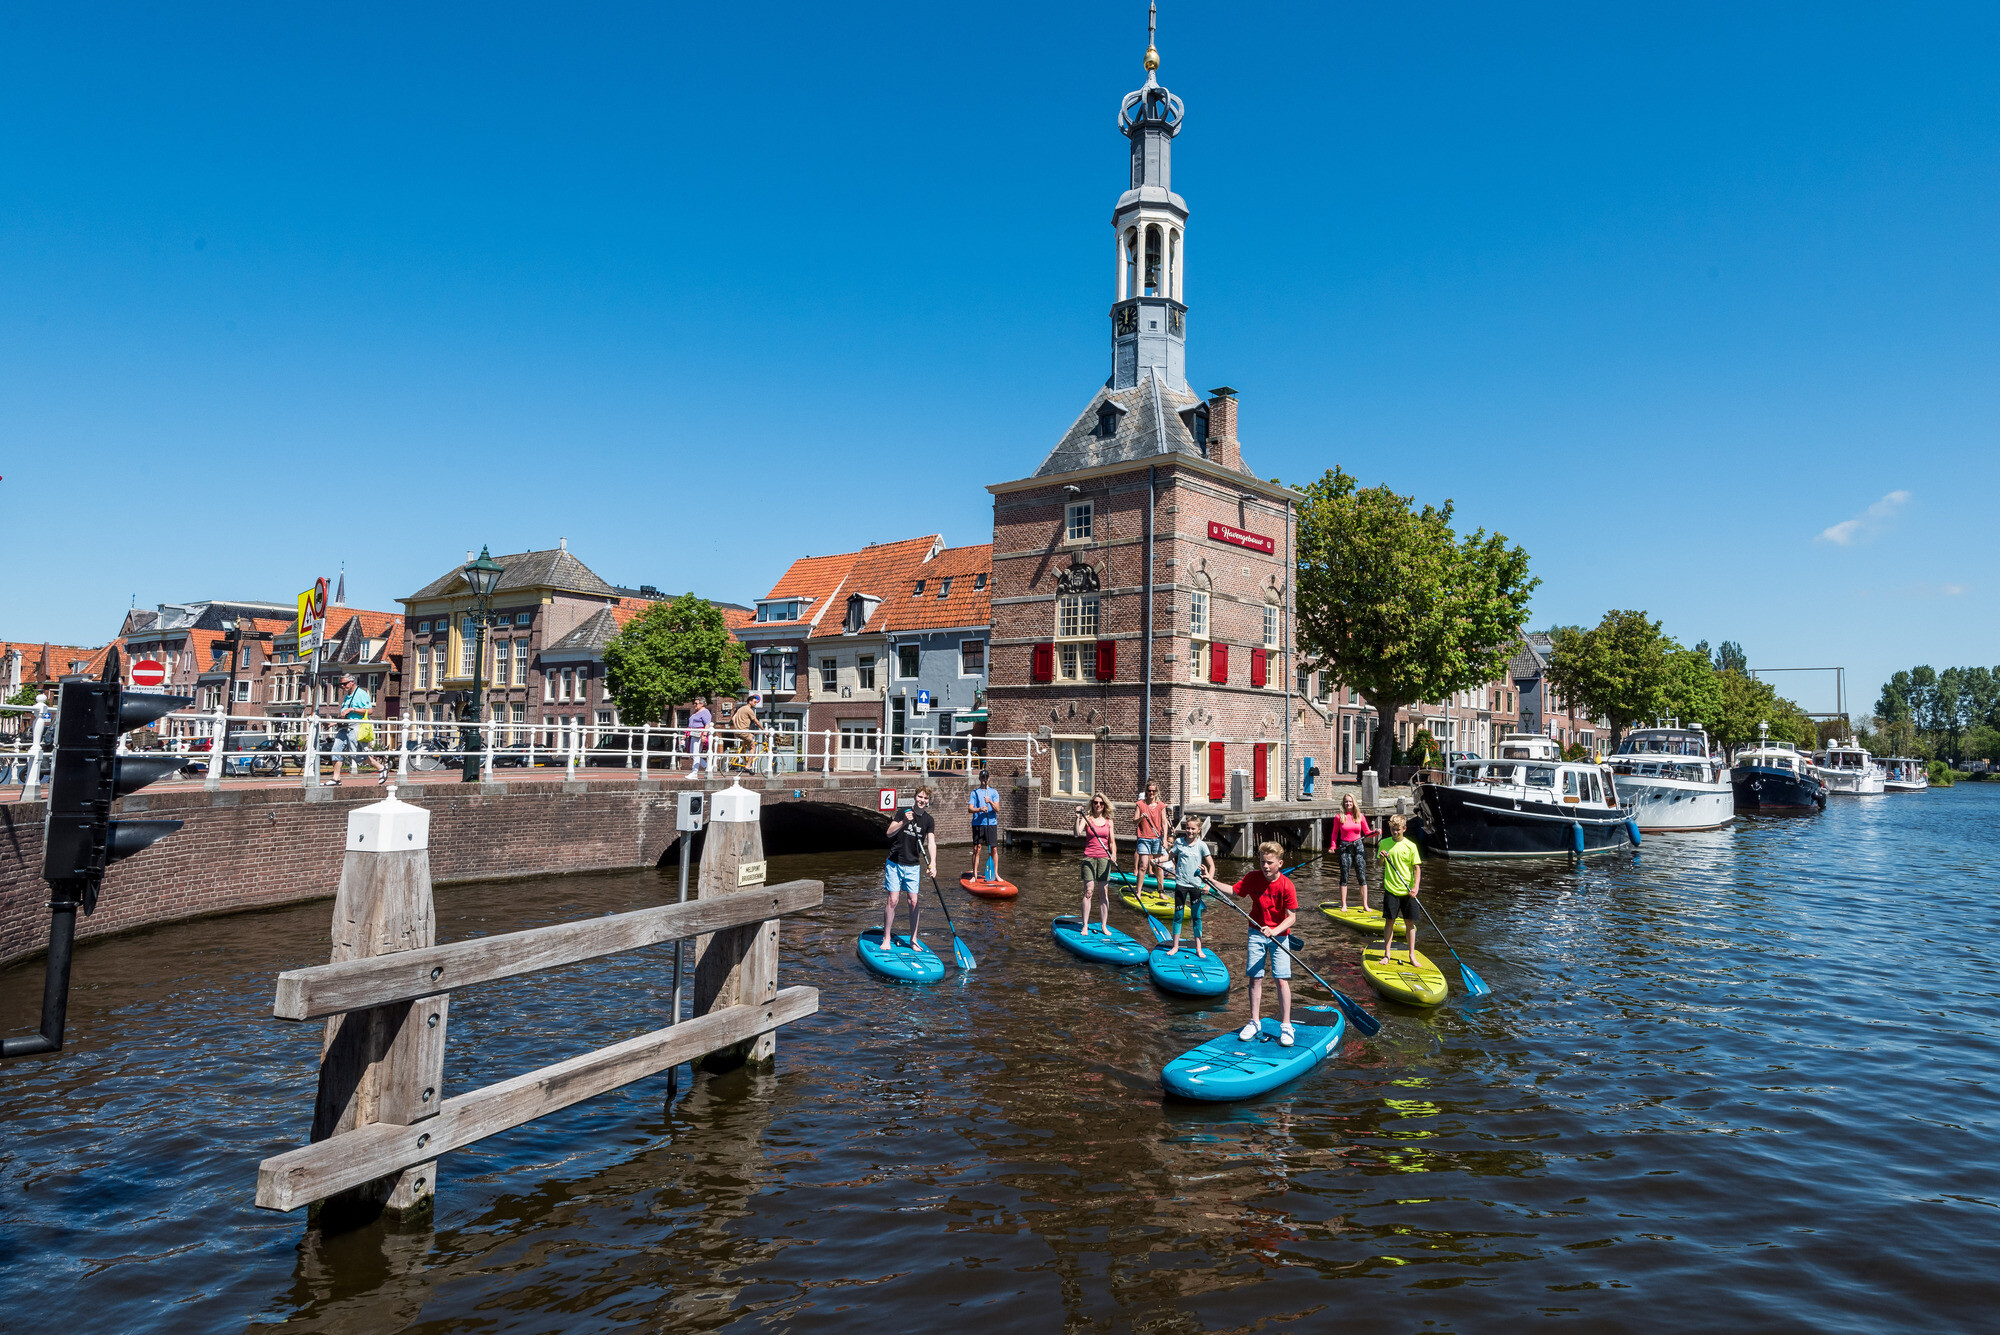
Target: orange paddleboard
(988, 889)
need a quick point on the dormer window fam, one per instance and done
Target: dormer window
(1196, 419)
(1108, 414)
(944, 587)
(778, 610)
(978, 583)
(919, 592)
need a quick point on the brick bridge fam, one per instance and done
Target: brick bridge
(256, 845)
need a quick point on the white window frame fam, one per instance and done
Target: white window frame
(864, 671)
(1068, 778)
(521, 661)
(829, 675)
(548, 686)
(1076, 616)
(1270, 626)
(1079, 521)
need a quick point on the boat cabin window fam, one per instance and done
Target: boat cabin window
(1569, 783)
(1596, 789)
(1467, 774)
(1540, 776)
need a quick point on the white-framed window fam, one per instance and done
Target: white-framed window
(1074, 767)
(423, 669)
(1079, 521)
(1270, 626)
(972, 658)
(583, 686)
(523, 618)
(829, 674)
(1076, 617)
(778, 673)
(548, 687)
(1198, 614)
(521, 661)
(468, 643)
(1076, 662)
(423, 628)
(906, 660)
(864, 671)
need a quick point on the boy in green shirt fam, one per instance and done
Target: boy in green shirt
(1402, 871)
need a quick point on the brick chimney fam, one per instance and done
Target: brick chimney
(1222, 443)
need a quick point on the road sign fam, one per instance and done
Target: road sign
(885, 799)
(312, 618)
(923, 702)
(149, 672)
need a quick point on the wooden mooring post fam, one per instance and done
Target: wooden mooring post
(381, 1119)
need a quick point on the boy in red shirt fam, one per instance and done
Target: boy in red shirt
(1274, 907)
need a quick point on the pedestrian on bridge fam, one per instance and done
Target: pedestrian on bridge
(699, 724)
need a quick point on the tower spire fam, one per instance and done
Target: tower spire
(1149, 310)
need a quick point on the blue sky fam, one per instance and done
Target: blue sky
(1669, 295)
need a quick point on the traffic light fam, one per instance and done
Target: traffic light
(79, 838)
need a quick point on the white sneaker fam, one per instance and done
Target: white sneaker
(1248, 1031)
(1284, 1035)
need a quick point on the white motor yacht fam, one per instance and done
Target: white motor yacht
(1668, 781)
(1904, 774)
(1849, 770)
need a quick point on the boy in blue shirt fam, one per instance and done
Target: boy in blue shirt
(984, 804)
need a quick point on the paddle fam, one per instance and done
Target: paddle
(1349, 1007)
(959, 950)
(1475, 986)
(1161, 936)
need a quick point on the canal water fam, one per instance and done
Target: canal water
(1744, 1081)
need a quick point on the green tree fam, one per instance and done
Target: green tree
(1617, 670)
(669, 654)
(1981, 743)
(1729, 657)
(1398, 606)
(24, 696)
(1692, 689)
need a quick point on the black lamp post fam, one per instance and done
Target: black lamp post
(481, 576)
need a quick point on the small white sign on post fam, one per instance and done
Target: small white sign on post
(885, 799)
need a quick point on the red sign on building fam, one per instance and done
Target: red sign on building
(149, 672)
(1256, 542)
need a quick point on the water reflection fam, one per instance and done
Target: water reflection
(1673, 1105)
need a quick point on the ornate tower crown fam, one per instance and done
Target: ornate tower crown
(1149, 313)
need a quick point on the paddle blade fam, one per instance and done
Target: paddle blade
(1475, 986)
(963, 954)
(1359, 1018)
(1160, 934)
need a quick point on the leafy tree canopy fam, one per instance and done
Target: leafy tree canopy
(669, 654)
(24, 696)
(1617, 670)
(1396, 604)
(1729, 657)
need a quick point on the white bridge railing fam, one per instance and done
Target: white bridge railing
(308, 747)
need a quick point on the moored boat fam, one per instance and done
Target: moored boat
(1528, 803)
(1848, 770)
(1905, 774)
(1667, 781)
(1773, 778)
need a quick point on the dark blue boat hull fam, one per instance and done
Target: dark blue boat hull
(1776, 791)
(1471, 823)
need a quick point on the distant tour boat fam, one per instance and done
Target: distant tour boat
(1905, 774)
(1772, 777)
(1529, 803)
(1847, 769)
(1667, 781)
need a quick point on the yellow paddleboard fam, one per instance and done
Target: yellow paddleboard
(1421, 986)
(1361, 920)
(1152, 903)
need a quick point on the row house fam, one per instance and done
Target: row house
(276, 680)
(42, 665)
(878, 650)
(186, 638)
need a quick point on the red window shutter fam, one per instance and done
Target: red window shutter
(1218, 662)
(1259, 779)
(1107, 659)
(1258, 659)
(1216, 773)
(1042, 662)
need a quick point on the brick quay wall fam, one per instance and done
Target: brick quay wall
(259, 847)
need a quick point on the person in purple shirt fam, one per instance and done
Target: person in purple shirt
(698, 733)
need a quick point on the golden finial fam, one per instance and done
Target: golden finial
(1152, 27)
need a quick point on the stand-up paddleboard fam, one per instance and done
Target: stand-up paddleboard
(1113, 947)
(993, 889)
(1226, 1067)
(1153, 881)
(1152, 903)
(902, 961)
(1361, 920)
(1421, 986)
(1187, 973)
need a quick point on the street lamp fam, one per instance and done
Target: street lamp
(480, 576)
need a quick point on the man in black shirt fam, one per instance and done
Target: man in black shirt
(912, 849)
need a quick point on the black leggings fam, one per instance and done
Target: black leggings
(1354, 853)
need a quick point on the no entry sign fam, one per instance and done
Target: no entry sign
(149, 672)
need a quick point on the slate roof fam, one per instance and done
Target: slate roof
(600, 628)
(555, 568)
(1149, 420)
(964, 605)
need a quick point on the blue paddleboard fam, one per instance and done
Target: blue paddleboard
(1105, 948)
(1226, 1067)
(901, 961)
(1187, 973)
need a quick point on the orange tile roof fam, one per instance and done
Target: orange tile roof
(825, 578)
(60, 656)
(962, 606)
(884, 572)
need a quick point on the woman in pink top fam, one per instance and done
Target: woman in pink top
(1100, 854)
(1350, 827)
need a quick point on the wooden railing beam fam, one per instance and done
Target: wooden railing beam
(313, 1172)
(329, 989)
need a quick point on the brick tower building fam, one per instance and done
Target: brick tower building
(1141, 584)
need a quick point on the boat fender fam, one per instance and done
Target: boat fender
(1576, 835)
(1633, 826)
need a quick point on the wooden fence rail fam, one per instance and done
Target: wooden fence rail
(381, 1120)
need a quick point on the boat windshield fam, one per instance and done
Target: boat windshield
(1540, 776)
(1662, 744)
(1490, 771)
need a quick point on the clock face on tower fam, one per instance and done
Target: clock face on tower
(1126, 320)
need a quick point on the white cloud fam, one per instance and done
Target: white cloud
(1866, 524)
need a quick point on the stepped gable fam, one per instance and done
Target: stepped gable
(1146, 422)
